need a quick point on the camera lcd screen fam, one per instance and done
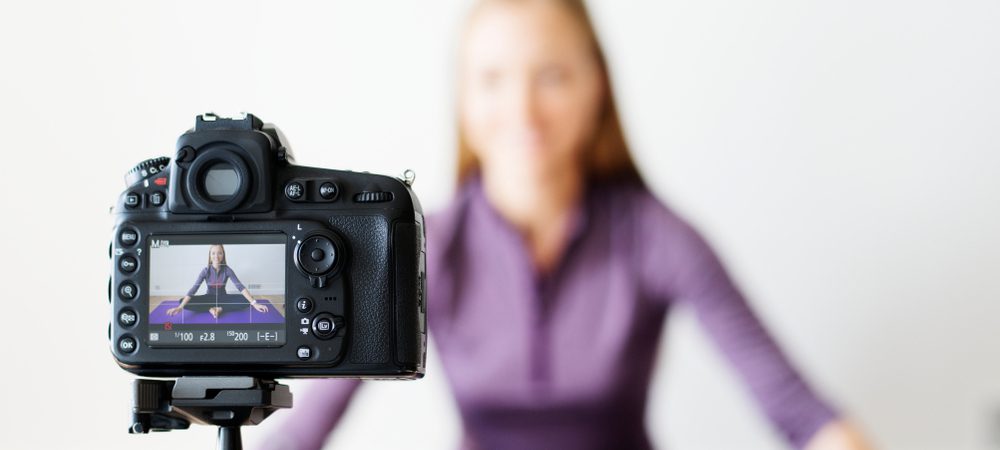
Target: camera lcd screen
(217, 290)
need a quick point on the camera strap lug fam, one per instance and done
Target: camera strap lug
(409, 177)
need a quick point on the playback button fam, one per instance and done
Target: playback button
(132, 200)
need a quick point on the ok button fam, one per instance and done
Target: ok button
(127, 344)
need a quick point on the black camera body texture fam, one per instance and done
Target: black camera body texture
(331, 263)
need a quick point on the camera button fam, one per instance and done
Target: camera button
(128, 237)
(324, 326)
(328, 190)
(127, 291)
(304, 305)
(127, 318)
(294, 190)
(304, 352)
(127, 344)
(128, 264)
(157, 198)
(131, 200)
(185, 154)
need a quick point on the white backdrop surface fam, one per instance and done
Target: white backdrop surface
(842, 157)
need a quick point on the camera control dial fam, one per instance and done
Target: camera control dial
(317, 256)
(146, 169)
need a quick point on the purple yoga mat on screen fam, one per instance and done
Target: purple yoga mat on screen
(248, 315)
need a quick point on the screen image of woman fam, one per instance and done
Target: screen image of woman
(216, 301)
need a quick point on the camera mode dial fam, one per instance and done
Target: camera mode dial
(146, 169)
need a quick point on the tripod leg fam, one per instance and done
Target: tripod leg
(229, 439)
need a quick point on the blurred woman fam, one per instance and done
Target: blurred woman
(552, 270)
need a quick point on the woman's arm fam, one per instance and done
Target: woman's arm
(680, 267)
(187, 297)
(231, 276)
(253, 301)
(184, 301)
(248, 296)
(202, 276)
(243, 290)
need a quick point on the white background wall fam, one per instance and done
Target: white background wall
(843, 157)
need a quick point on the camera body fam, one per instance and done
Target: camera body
(231, 260)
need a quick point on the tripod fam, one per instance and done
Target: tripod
(226, 402)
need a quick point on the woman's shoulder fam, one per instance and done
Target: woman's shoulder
(636, 201)
(664, 246)
(650, 219)
(631, 202)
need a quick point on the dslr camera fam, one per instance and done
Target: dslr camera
(230, 260)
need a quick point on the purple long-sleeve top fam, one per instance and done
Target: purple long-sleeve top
(216, 279)
(565, 360)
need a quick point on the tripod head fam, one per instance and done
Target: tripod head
(226, 402)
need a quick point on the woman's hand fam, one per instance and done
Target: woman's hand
(259, 307)
(838, 435)
(174, 311)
